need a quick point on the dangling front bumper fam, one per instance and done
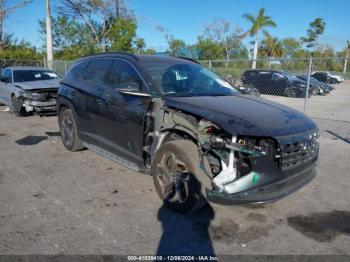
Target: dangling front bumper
(264, 187)
(41, 108)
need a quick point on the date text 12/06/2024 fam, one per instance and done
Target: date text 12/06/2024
(172, 258)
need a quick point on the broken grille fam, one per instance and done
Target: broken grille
(48, 95)
(298, 150)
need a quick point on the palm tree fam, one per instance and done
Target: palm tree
(271, 46)
(347, 55)
(259, 22)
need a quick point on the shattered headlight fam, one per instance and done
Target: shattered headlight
(315, 138)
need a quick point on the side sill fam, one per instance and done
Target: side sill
(112, 157)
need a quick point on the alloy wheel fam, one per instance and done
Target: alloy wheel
(174, 178)
(67, 131)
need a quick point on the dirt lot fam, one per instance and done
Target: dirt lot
(57, 202)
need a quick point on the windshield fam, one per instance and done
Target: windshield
(187, 79)
(33, 75)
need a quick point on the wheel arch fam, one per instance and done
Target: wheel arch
(62, 103)
(172, 133)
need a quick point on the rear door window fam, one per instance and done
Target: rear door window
(77, 72)
(125, 76)
(97, 72)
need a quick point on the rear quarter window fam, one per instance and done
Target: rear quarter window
(76, 72)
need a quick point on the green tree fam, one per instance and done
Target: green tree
(140, 44)
(258, 22)
(101, 17)
(122, 34)
(65, 32)
(209, 49)
(290, 46)
(71, 39)
(175, 45)
(316, 29)
(21, 50)
(220, 30)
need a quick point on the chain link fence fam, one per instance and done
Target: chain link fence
(61, 67)
(300, 78)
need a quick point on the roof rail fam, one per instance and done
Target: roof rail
(189, 59)
(113, 53)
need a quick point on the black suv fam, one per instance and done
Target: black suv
(278, 83)
(191, 130)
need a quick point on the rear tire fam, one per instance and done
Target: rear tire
(17, 107)
(69, 131)
(177, 174)
(290, 92)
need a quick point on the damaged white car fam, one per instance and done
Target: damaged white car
(29, 90)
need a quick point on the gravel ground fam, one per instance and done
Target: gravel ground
(57, 202)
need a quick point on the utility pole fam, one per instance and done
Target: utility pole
(1, 20)
(117, 8)
(255, 54)
(346, 56)
(49, 48)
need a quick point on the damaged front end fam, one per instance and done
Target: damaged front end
(256, 170)
(41, 102)
(243, 169)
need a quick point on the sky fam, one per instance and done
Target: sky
(186, 19)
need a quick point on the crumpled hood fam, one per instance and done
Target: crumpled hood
(245, 115)
(42, 84)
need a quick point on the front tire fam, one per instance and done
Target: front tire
(177, 174)
(17, 107)
(68, 130)
(314, 91)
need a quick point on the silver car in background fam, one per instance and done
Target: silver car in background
(29, 90)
